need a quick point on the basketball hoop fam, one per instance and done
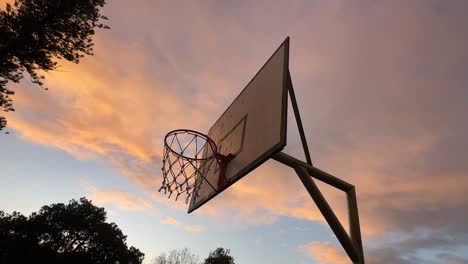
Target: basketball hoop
(188, 156)
(254, 127)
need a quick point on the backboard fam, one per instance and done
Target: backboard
(253, 127)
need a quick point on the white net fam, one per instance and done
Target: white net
(187, 158)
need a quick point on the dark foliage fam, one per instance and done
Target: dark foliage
(35, 33)
(175, 256)
(220, 256)
(64, 233)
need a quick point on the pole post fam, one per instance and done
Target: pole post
(354, 226)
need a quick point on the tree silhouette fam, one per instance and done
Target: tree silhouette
(35, 33)
(220, 256)
(175, 256)
(64, 233)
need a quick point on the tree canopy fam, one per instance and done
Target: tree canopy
(220, 256)
(35, 34)
(184, 256)
(176, 256)
(76, 232)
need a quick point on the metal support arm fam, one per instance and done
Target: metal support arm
(316, 173)
(351, 244)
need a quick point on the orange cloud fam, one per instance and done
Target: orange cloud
(271, 191)
(325, 253)
(121, 199)
(170, 221)
(194, 229)
(4, 2)
(175, 222)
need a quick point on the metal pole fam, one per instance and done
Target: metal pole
(327, 212)
(316, 173)
(354, 226)
(298, 120)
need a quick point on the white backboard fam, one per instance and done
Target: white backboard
(253, 127)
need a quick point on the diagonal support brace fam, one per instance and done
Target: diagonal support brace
(328, 213)
(352, 245)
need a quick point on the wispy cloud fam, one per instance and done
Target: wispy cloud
(194, 229)
(121, 199)
(170, 221)
(325, 253)
(177, 223)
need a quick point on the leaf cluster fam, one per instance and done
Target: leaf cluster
(220, 256)
(184, 256)
(34, 34)
(64, 233)
(175, 256)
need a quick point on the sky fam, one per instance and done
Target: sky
(382, 90)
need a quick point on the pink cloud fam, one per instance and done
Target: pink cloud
(121, 199)
(4, 2)
(325, 253)
(170, 221)
(194, 229)
(177, 223)
(264, 195)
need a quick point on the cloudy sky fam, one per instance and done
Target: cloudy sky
(382, 90)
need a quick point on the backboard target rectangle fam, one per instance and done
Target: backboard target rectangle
(253, 127)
